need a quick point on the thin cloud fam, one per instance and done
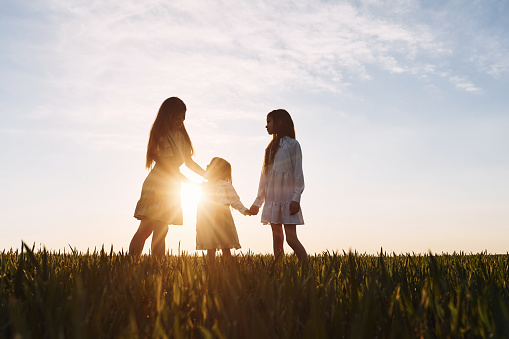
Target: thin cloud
(464, 84)
(254, 50)
(104, 62)
(492, 58)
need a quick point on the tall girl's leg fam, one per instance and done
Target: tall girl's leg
(293, 241)
(160, 231)
(277, 240)
(138, 241)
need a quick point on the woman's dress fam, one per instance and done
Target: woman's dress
(160, 198)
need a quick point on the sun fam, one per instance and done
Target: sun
(190, 196)
(190, 193)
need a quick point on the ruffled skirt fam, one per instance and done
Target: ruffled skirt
(279, 192)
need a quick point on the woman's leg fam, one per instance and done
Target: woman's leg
(277, 240)
(144, 230)
(226, 253)
(211, 253)
(160, 231)
(293, 241)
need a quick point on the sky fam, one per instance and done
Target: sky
(400, 107)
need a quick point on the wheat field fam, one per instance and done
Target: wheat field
(349, 295)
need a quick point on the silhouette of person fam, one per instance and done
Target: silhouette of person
(215, 228)
(169, 146)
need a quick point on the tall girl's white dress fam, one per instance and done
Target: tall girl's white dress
(282, 184)
(215, 228)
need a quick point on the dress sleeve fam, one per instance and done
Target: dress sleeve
(234, 199)
(296, 157)
(260, 198)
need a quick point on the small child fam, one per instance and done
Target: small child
(215, 228)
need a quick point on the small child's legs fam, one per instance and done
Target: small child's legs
(211, 254)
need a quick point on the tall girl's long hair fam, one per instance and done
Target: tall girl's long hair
(283, 127)
(161, 126)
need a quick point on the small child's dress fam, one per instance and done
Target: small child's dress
(215, 228)
(281, 184)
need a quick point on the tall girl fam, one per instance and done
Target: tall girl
(215, 228)
(169, 146)
(281, 185)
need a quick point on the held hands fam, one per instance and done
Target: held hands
(254, 210)
(294, 207)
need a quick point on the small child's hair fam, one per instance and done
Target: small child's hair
(221, 169)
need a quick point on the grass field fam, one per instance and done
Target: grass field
(101, 294)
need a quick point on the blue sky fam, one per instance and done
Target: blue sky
(400, 108)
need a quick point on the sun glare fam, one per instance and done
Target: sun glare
(191, 194)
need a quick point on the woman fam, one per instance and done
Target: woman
(169, 146)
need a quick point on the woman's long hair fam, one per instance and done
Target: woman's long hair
(162, 125)
(283, 127)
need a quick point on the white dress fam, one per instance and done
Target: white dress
(282, 184)
(215, 228)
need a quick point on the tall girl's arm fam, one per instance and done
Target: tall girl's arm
(296, 157)
(260, 198)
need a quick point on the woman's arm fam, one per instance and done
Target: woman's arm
(169, 165)
(193, 166)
